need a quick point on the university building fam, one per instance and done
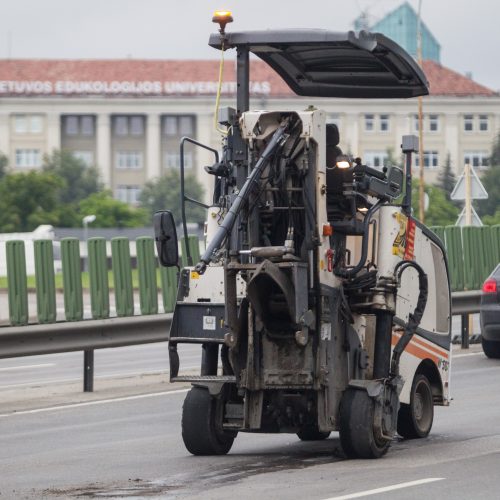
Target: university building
(128, 116)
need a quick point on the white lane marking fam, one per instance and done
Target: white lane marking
(387, 488)
(112, 375)
(94, 403)
(26, 367)
(455, 356)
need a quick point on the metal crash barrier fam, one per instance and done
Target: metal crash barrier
(24, 337)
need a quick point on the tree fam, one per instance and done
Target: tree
(491, 181)
(4, 161)
(110, 212)
(80, 180)
(447, 178)
(28, 200)
(164, 193)
(441, 212)
(392, 160)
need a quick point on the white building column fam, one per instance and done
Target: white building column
(205, 133)
(5, 136)
(104, 161)
(451, 142)
(153, 160)
(53, 132)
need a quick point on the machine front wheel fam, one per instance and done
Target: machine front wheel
(357, 435)
(415, 419)
(491, 348)
(200, 430)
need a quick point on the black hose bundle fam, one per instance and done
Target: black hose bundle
(413, 318)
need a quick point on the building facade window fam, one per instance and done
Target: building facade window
(128, 159)
(433, 123)
(124, 125)
(369, 122)
(478, 159)
(468, 123)
(483, 123)
(430, 123)
(173, 160)
(384, 123)
(128, 194)
(74, 125)
(178, 125)
(28, 158)
(431, 159)
(173, 128)
(86, 157)
(28, 124)
(377, 159)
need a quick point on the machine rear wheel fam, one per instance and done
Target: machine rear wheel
(311, 433)
(357, 434)
(415, 420)
(200, 430)
(491, 348)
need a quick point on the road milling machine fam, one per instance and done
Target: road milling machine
(320, 304)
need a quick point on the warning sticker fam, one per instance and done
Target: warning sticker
(399, 243)
(410, 239)
(209, 322)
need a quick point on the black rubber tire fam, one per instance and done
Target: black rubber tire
(415, 419)
(356, 426)
(491, 348)
(199, 428)
(312, 433)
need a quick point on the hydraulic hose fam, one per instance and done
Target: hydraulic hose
(413, 318)
(230, 218)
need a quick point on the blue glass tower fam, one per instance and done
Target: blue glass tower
(401, 26)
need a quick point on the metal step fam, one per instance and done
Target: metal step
(205, 378)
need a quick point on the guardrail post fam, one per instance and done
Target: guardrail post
(465, 330)
(98, 274)
(194, 249)
(72, 279)
(168, 276)
(122, 276)
(45, 281)
(88, 371)
(146, 266)
(17, 283)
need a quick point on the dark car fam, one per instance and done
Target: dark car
(490, 314)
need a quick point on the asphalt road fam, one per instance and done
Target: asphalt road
(117, 362)
(123, 361)
(132, 448)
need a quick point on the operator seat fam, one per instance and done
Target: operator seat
(332, 145)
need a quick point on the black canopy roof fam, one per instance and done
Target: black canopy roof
(320, 63)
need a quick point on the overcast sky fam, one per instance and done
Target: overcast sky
(468, 31)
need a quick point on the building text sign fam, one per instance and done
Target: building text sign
(115, 87)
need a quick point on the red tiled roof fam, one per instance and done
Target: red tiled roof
(183, 77)
(445, 81)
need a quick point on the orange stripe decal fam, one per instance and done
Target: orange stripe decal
(414, 348)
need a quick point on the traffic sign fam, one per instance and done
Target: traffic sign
(475, 220)
(477, 190)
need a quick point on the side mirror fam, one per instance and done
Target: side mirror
(166, 238)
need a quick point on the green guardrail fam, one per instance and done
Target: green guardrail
(17, 283)
(72, 279)
(122, 276)
(98, 274)
(472, 252)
